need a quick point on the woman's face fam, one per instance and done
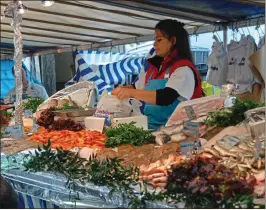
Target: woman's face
(162, 45)
(23, 75)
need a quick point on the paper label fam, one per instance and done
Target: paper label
(6, 100)
(191, 129)
(228, 142)
(226, 90)
(103, 114)
(35, 126)
(12, 131)
(190, 148)
(190, 113)
(229, 102)
(28, 113)
(258, 148)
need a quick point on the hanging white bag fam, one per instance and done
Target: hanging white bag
(111, 105)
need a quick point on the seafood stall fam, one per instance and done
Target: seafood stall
(78, 150)
(219, 154)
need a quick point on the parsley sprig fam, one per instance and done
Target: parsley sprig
(128, 134)
(231, 116)
(32, 103)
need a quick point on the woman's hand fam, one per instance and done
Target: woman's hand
(148, 96)
(122, 92)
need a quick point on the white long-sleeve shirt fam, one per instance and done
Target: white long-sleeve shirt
(33, 90)
(182, 80)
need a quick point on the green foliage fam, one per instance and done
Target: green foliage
(32, 103)
(231, 116)
(128, 134)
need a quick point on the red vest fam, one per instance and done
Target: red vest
(153, 72)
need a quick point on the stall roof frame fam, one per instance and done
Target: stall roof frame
(81, 25)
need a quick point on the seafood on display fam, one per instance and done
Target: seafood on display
(242, 156)
(255, 115)
(175, 133)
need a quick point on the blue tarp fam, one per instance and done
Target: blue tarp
(7, 79)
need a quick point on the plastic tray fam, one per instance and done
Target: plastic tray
(75, 112)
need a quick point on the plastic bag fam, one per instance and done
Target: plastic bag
(113, 106)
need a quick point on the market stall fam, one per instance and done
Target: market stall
(76, 150)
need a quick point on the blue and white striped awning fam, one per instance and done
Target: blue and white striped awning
(99, 58)
(106, 76)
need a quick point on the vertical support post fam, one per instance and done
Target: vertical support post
(225, 36)
(18, 54)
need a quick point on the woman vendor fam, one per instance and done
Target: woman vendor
(171, 76)
(29, 89)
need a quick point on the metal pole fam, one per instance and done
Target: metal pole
(225, 36)
(13, 9)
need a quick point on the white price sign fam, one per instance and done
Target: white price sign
(190, 113)
(28, 113)
(229, 102)
(191, 129)
(12, 131)
(189, 148)
(35, 126)
(258, 147)
(228, 142)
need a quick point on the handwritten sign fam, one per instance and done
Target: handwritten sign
(28, 113)
(191, 129)
(190, 112)
(229, 102)
(107, 115)
(258, 148)
(190, 148)
(6, 100)
(228, 142)
(35, 126)
(12, 131)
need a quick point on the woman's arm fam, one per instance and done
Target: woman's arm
(161, 97)
(148, 96)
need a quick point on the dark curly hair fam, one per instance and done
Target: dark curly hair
(172, 28)
(8, 197)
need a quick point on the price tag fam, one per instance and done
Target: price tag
(190, 113)
(28, 113)
(229, 102)
(228, 142)
(226, 90)
(35, 126)
(6, 100)
(258, 148)
(191, 129)
(190, 148)
(12, 131)
(107, 115)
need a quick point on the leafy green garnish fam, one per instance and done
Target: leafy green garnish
(32, 103)
(128, 134)
(108, 172)
(121, 179)
(231, 116)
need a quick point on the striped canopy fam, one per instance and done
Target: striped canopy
(108, 75)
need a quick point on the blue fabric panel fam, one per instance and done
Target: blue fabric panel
(7, 78)
(43, 204)
(21, 204)
(30, 203)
